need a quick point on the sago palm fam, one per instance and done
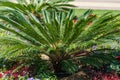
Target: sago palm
(67, 44)
(36, 6)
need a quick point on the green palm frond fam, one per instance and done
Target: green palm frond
(36, 6)
(59, 37)
(14, 47)
(52, 31)
(97, 60)
(73, 67)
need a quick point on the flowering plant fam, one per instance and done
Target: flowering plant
(15, 73)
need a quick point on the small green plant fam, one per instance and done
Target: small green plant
(12, 78)
(47, 76)
(115, 66)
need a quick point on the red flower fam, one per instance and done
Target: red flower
(94, 78)
(118, 58)
(15, 75)
(24, 69)
(1, 75)
(21, 72)
(8, 72)
(116, 78)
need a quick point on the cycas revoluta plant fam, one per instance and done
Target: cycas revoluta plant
(59, 38)
(66, 44)
(36, 6)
